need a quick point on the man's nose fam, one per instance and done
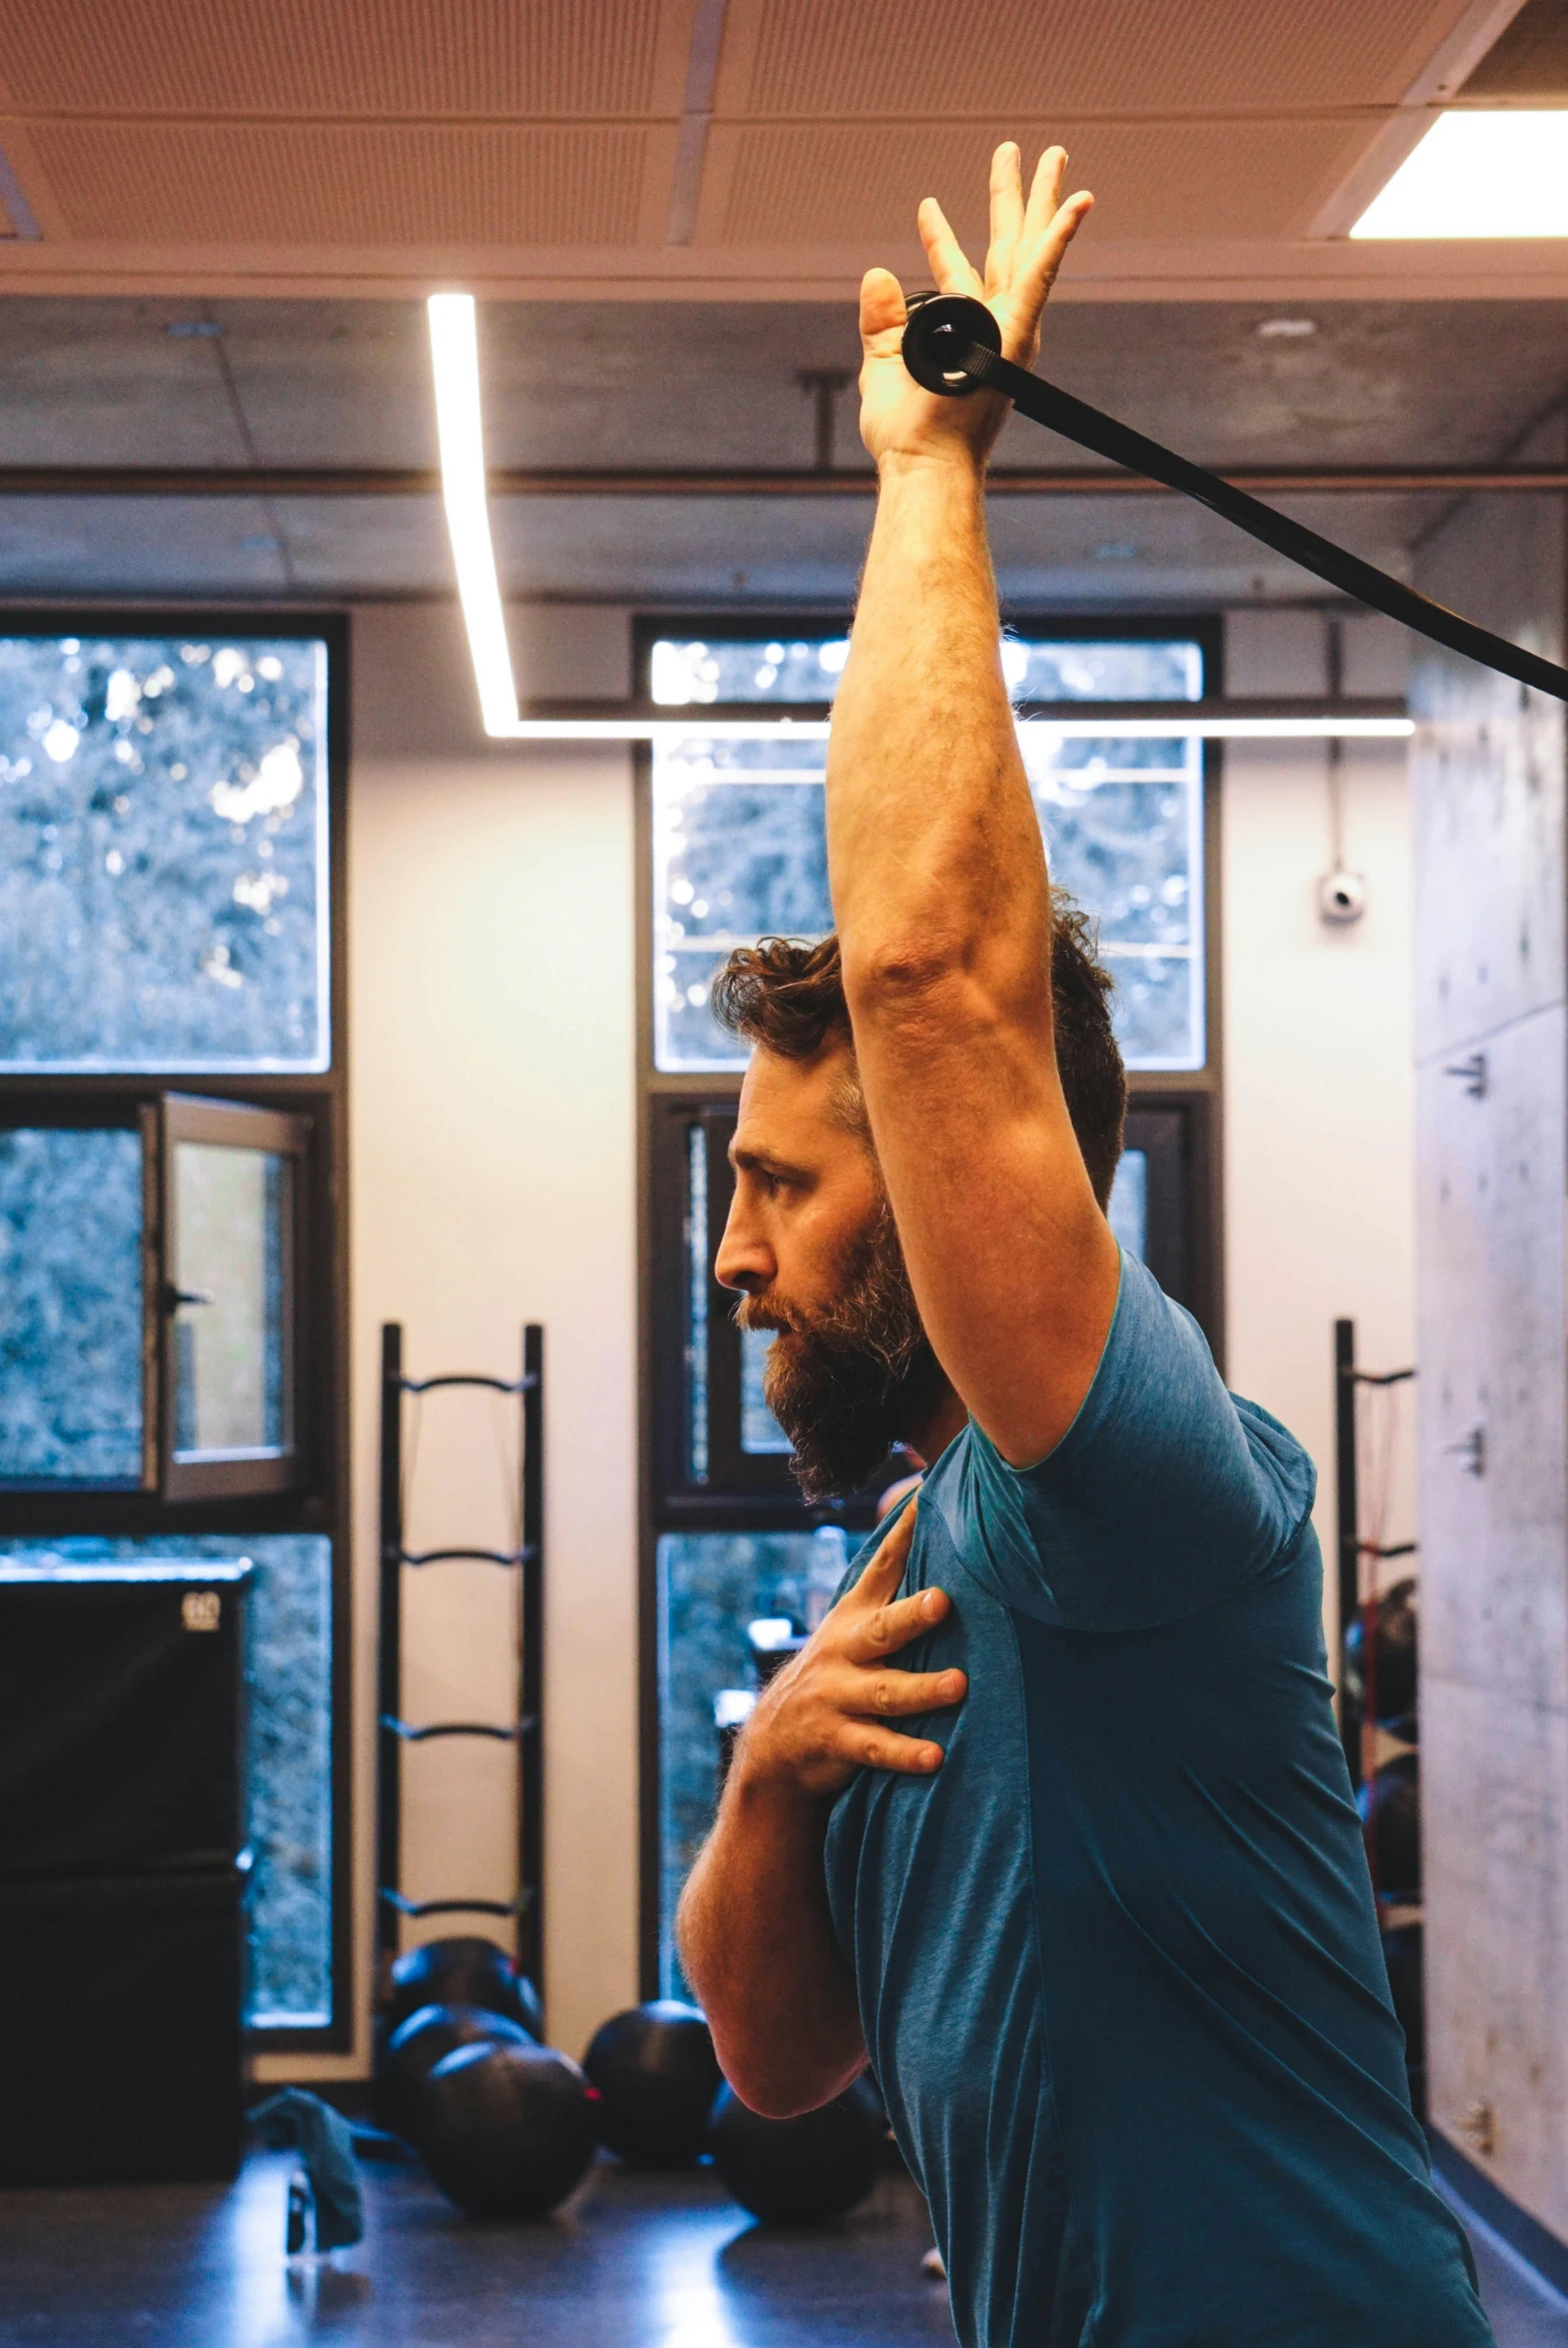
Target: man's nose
(743, 1259)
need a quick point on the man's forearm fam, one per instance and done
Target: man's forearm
(758, 1944)
(933, 847)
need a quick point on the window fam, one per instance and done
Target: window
(172, 1354)
(739, 847)
(163, 844)
(736, 850)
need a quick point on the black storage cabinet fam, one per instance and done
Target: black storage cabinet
(122, 1873)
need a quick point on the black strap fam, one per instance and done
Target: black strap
(951, 345)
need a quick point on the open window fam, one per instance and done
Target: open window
(221, 1294)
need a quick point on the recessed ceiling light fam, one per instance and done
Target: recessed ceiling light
(1286, 330)
(1479, 174)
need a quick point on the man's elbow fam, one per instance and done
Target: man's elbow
(782, 2092)
(906, 975)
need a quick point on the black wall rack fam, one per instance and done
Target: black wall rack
(395, 1733)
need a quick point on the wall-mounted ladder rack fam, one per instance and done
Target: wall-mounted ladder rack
(395, 1733)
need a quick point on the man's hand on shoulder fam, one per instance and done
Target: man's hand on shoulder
(831, 1710)
(897, 419)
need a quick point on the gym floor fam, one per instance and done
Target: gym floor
(632, 2262)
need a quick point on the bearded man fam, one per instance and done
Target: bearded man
(1049, 1820)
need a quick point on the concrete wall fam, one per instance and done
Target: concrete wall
(1488, 788)
(1318, 1108)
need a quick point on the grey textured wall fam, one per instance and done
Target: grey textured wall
(1488, 790)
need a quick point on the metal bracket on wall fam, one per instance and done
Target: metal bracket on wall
(1473, 1074)
(1471, 1448)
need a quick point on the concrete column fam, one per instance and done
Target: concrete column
(1488, 796)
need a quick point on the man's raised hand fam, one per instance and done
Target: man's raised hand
(900, 420)
(827, 1713)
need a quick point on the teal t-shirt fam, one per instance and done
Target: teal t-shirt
(1117, 1962)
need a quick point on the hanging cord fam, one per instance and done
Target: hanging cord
(953, 345)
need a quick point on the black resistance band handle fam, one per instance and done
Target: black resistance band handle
(953, 345)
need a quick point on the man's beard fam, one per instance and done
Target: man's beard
(848, 1384)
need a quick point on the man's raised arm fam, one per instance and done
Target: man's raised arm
(938, 875)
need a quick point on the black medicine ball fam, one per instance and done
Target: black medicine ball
(801, 2172)
(419, 2044)
(1383, 1668)
(506, 2131)
(466, 1970)
(656, 2076)
(1390, 1803)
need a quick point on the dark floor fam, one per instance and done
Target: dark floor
(633, 2262)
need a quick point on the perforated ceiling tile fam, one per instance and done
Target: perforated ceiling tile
(925, 57)
(839, 184)
(299, 184)
(368, 57)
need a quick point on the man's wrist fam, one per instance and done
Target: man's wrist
(764, 1783)
(956, 460)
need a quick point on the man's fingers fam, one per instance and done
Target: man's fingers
(883, 309)
(1037, 267)
(888, 1628)
(1006, 215)
(949, 264)
(1045, 192)
(892, 1695)
(886, 1570)
(906, 1756)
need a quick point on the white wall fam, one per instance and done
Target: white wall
(1318, 1058)
(493, 1181)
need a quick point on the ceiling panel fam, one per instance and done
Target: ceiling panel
(346, 184)
(925, 57)
(838, 182)
(530, 58)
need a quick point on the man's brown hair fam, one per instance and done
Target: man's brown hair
(788, 997)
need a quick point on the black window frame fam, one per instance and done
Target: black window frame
(320, 1500)
(1176, 1115)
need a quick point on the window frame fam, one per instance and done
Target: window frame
(667, 1101)
(321, 1501)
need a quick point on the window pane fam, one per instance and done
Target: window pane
(710, 1585)
(230, 1216)
(1129, 1209)
(759, 1429)
(696, 1303)
(289, 1677)
(71, 1332)
(685, 672)
(739, 852)
(163, 834)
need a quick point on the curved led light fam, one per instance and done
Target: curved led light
(459, 427)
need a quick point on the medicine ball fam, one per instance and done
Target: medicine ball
(1390, 1804)
(1402, 1953)
(420, 2043)
(801, 2172)
(506, 2130)
(656, 2076)
(466, 1970)
(1392, 1659)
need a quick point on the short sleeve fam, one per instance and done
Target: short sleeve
(1165, 1494)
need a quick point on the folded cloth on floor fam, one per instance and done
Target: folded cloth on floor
(326, 2155)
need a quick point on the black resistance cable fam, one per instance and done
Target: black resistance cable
(953, 345)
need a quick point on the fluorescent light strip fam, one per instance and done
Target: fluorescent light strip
(459, 424)
(1107, 729)
(1479, 174)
